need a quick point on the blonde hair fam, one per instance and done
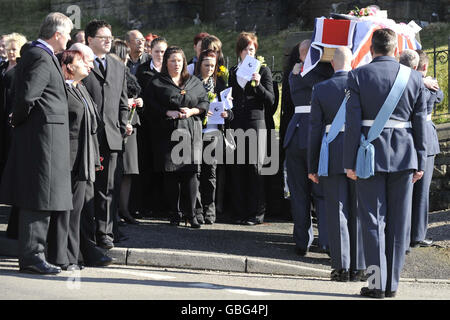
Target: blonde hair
(18, 39)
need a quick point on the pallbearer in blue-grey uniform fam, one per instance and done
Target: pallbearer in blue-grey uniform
(393, 157)
(296, 139)
(325, 155)
(420, 207)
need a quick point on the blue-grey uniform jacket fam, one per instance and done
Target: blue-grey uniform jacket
(326, 99)
(395, 149)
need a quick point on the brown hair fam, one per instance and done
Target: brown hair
(67, 57)
(244, 40)
(200, 36)
(423, 59)
(171, 50)
(210, 53)
(214, 43)
(384, 41)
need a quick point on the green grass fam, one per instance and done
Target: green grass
(25, 17)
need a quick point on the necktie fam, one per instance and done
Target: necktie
(101, 66)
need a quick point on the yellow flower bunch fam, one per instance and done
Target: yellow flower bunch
(263, 63)
(223, 73)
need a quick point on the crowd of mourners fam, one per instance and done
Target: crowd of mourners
(87, 145)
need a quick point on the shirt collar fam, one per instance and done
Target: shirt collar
(46, 44)
(152, 66)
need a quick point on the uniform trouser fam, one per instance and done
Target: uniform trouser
(344, 231)
(64, 238)
(384, 207)
(303, 191)
(207, 191)
(420, 204)
(33, 229)
(181, 187)
(106, 194)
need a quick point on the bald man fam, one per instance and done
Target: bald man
(327, 122)
(136, 42)
(302, 191)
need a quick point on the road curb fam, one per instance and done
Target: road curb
(176, 259)
(205, 261)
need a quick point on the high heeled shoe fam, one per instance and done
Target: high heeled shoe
(175, 219)
(192, 221)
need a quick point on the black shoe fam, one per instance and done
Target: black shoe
(209, 221)
(301, 252)
(408, 251)
(423, 243)
(105, 244)
(390, 294)
(372, 293)
(41, 268)
(340, 275)
(193, 222)
(128, 218)
(136, 215)
(175, 218)
(102, 262)
(252, 222)
(200, 218)
(358, 275)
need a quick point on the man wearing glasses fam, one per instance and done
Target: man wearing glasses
(108, 88)
(136, 42)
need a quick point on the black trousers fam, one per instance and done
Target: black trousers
(106, 192)
(206, 198)
(247, 192)
(181, 190)
(33, 230)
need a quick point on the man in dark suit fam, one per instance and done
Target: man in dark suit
(347, 256)
(384, 198)
(136, 42)
(108, 88)
(295, 142)
(37, 174)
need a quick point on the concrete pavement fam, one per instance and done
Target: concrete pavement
(262, 249)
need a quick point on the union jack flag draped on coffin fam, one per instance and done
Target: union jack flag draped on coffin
(357, 36)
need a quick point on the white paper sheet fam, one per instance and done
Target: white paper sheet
(216, 108)
(226, 98)
(246, 70)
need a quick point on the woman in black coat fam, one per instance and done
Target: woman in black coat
(178, 102)
(247, 183)
(206, 70)
(147, 197)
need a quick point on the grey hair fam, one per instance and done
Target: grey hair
(52, 23)
(84, 49)
(409, 58)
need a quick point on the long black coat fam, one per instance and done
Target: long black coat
(81, 147)
(250, 102)
(37, 173)
(110, 95)
(162, 95)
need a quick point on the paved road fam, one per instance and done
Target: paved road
(144, 283)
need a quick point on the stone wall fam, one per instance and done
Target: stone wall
(263, 16)
(440, 185)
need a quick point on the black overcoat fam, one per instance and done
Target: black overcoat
(37, 173)
(110, 95)
(162, 95)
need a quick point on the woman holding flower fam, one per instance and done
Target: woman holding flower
(206, 70)
(177, 103)
(247, 183)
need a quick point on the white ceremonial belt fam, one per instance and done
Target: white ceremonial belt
(328, 127)
(389, 124)
(303, 109)
(429, 117)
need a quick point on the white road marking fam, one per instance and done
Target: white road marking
(141, 274)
